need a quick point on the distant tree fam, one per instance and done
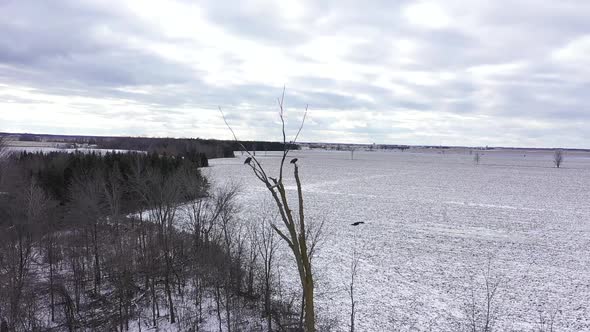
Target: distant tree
(558, 157)
(3, 151)
(3, 144)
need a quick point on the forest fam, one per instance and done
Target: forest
(132, 241)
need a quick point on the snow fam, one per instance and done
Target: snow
(37, 149)
(435, 223)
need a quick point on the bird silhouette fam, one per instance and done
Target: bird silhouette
(294, 160)
(248, 160)
(357, 223)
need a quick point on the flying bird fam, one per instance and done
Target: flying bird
(248, 160)
(357, 223)
(294, 160)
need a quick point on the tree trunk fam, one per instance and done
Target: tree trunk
(52, 300)
(170, 301)
(309, 304)
(267, 304)
(154, 303)
(218, 300)
(97, 276)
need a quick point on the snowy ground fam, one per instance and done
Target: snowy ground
(434, 224)
(45, 150)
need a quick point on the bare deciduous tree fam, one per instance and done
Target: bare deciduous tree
(558, 157)
(17, 252)
(3, 145)
(353, 273)
(87, 200)
(547, 321)
(482, 308)
(265, 241)
(3, 152)
(161, 194)
(294, 232)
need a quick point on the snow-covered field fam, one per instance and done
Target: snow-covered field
(45, 150)
(436, 226)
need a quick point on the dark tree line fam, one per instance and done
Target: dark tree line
(105, 243)
(55, 171)
(184, 147)
(192, 148)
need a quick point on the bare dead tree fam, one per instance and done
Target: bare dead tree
(265, 242)
(252, 260)
(204, 212)
(232, 241)
(547, 321)
(86, 191)
(294, 232)
(482, 308)
(51, 241)
(558, 157)
(353, 273)
(354, 263)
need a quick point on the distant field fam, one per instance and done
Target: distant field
(434, 225)
(46, 147)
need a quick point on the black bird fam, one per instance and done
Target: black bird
(294, 160)
(248, 160)
(357, 223)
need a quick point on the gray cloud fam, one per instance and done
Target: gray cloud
(492, 73)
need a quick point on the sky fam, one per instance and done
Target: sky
(446, 72)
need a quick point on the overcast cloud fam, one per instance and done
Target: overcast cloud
(452, 72)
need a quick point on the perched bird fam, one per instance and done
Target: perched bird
(357, 223)
(273, 179)
(248, 160)
(294, 160)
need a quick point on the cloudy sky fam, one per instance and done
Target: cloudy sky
(452, 72)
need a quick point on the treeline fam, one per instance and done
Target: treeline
(130, 241)
(178, 147)
(183, 146)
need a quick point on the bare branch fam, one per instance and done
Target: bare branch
(285, 148)
(227, 124)
(301, 126)
(263, 177)
(281, 234)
